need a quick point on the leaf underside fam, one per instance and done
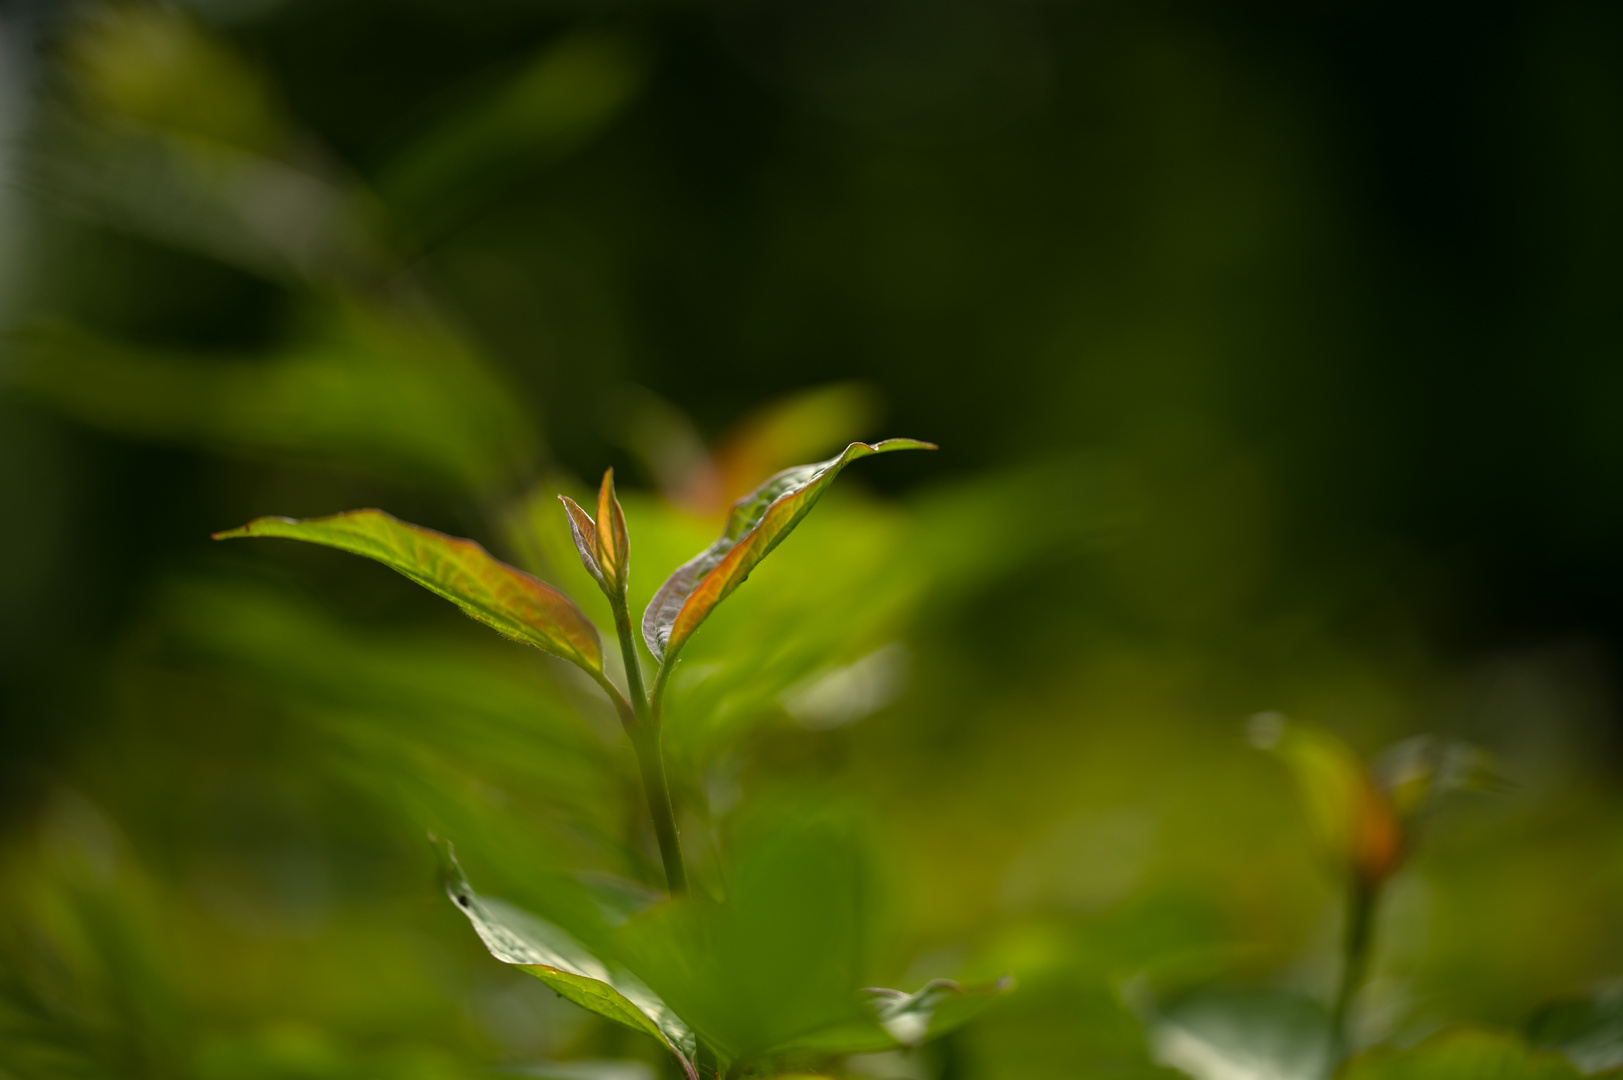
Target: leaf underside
(534, 945)
(758, 523)
(502, 597)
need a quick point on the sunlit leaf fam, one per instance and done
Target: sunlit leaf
(1225, 1034)
(1589, 1031)
(604, 545)
(758, 523)
(1461, 1054)
(543, 950)
(502, 597)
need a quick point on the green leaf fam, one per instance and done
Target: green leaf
(1461, 1054)
(502, 597)
(1589, 1031)
(1219, 1033)
(758, 523)
(390, 391)
(516, 937)
(567, 93)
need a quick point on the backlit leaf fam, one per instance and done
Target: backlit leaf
(758, 523)
(502, 597)
(516, 937)
(604, 545)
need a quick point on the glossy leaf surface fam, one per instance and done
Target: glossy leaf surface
(758, 523)
(564, 964)
(502, 597)
(1462, 1054)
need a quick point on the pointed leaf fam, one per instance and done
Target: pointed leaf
(536, 946)
(584, 530)
(502, 597)
(758, 523)
(613, 539)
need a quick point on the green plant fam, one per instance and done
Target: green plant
(694, 945)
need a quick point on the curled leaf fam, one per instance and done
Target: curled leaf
(502, 597)
(758, 523)
(534, 945)
(604, 544)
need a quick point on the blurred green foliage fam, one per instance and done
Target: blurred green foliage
(1270, 352)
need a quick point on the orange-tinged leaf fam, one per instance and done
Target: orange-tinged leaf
(502, 597)
(758, 523)
(613, 540)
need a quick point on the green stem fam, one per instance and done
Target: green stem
(1361, 900)
(645, 729)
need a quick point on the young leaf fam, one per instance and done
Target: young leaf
(533, 945)
(758, 523)
(604, 544)
(502, 597)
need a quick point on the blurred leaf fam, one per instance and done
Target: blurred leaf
(582, 1070)
(1353, 818)
(1230, 1034)
(288, 221)
(565, 95)
(1589, 1031)
(1461, 1054)
(758, 523)
(502, 597)
(938, 1007)
(1418, 771)
(791, 429)
(781, 959)
(156, 66)
(541, 949)
(392, 392)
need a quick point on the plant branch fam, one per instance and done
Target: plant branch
(645, 731)
(1361, 900)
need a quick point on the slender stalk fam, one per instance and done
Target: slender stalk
(1361, 900)
(645, 729)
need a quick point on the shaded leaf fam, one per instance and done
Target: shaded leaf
(758, 523)
(1230, 1034)
(502, 597)
(564, 964)
(1589, 1031)
(566, 94)
(1461, 1054)
(392, 392)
